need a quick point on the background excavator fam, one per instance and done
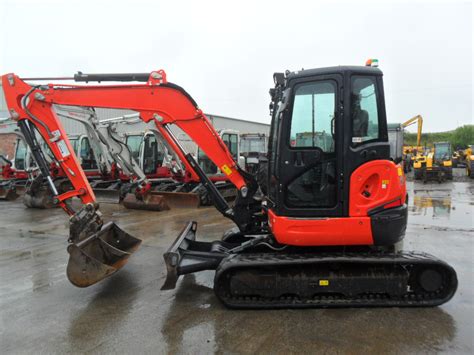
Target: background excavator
(14, 176)
(14, 172)
(149, 174)
(414, 153)
(323, 234)
(253, 149)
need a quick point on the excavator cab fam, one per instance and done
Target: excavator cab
(327, 122)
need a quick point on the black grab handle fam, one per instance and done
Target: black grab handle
(111, 77)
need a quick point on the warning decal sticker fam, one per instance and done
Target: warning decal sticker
(63, 148)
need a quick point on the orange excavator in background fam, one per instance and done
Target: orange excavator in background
(323, 234)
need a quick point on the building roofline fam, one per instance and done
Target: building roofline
(210, 115)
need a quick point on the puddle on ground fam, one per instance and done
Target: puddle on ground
(441, 205)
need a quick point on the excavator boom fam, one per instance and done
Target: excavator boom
(418, 119)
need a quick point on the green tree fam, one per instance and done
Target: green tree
(463, 136)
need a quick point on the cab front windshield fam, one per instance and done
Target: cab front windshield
(442, 151)
(248, 145)
(74, 143)
(20, 155)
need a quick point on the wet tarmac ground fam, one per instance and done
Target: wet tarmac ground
(41, 312)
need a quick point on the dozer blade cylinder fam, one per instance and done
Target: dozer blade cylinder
(100, 255)
(162, 201)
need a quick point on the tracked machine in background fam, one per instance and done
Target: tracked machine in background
(324, 235)
(140, 170)
(8, 181)
(14, 176)
(253, 148)
(145, 171)
(173, 185)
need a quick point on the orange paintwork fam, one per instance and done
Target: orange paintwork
(321, 231)
(375, 184)
(383, 184)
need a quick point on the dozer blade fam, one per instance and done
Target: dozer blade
(8, 193)
(100, 255)
(41, 199)
(162, 201)
(107, 195)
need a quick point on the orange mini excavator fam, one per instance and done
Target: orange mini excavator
(319, 229)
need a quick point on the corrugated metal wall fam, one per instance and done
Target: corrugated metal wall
(219, 122)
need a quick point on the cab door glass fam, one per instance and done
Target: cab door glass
(312, 131)
(231, 141)
(151, 155)
(364, 111)
(87, 155)
(312, 120)
(134, 144)
(20, 155)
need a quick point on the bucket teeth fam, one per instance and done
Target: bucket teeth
(100, 255)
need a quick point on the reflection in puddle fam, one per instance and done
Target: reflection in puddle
(434, 203)
(447, 205)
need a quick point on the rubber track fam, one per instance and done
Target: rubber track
(271, 261)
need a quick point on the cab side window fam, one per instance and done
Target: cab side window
(231, 141)
(134, 143)
(364, 111)
(87, 155)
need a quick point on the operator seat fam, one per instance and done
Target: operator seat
(360, 119)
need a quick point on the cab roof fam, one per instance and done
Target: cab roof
(335, 70)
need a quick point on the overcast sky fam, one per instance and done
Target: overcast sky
(224, 53)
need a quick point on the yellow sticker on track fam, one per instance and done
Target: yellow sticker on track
(323, 282)
(226, 170)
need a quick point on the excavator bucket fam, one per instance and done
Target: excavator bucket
(162, 201)
(100, 255)
(8, 191)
